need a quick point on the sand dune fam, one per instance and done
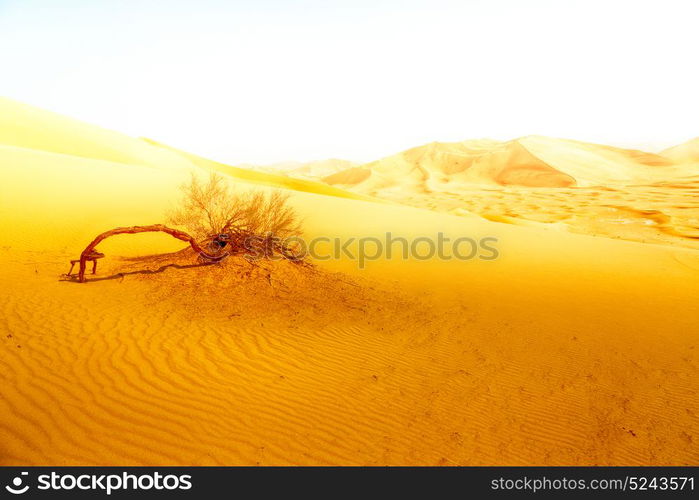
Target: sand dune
(687, 152)
(595, 164)
(32, 128)
(568, 349)
(309, 170)
(439, 165)
(574, 186)
(269, 179)
(531, 161)
(29, 129)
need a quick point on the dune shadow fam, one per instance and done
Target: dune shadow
(73, 278)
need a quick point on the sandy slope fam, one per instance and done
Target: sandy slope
(306, 170)
(687, 152)
(532, 161)
(28, 127)
(567, 349)
(575, 186)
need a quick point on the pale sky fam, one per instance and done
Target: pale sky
(262, 81)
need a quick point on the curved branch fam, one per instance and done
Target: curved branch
(175, 233)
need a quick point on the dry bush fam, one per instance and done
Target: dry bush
(257, 223)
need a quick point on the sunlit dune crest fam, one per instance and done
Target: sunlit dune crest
(266, 177)
(25, 126)
(438, 165)
(531, 161)
(571, 185)
(687, 152)
(568, 349)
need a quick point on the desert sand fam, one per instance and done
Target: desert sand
(311, 170)
(573, 186)
(568, 349)
(687, 152)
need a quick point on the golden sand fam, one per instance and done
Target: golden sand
(568, 349)
(532, 181)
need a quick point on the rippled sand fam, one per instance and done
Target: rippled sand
(663, 213)
(160, 361)
(567, 349)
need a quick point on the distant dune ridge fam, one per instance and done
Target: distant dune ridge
(568, 349)
(532, 161)
(572, 185)
(31, 128)
(310, 170)
(687, 152)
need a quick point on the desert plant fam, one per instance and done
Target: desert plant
(222, 221)
(90, 254)
(255, 222)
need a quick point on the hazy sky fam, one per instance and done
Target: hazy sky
(262, 81)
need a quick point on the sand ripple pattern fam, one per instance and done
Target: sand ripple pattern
(113, 373)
